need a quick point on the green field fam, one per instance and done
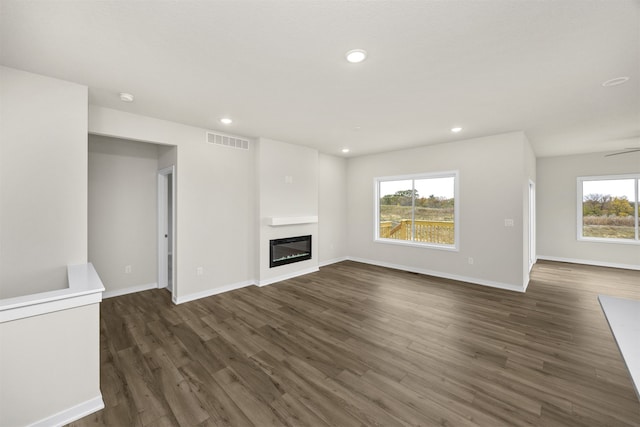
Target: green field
(397, 213)
(611, 227)
(608, 231)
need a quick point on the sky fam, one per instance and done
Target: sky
(439, 187)
(613, 187)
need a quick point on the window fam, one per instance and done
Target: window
(419, 210)
(608, 208)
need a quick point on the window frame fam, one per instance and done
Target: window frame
(579, 211)
(413, 177)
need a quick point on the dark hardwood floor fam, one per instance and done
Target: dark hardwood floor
(358, 345)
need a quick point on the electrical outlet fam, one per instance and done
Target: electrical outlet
(127, 269)
(199, 271)
(288, 179)
(508, 222)
(470, 261)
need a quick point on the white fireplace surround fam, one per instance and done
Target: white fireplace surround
(287, 177)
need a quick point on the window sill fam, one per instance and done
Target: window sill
(451, 248)
(605, 240)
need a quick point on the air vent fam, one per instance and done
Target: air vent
(227, 141)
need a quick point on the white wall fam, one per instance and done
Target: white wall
(557, 209)
(123, 212)
(43, 181)
(491, 180)
(49, 364)
(332, 208)
(167, 156)
(279, 198)
(216, 213)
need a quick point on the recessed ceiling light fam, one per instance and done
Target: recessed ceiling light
(616, 81)
(226, 121)
(356, 55)
(456, 129)
(345, 150)
(126, 97)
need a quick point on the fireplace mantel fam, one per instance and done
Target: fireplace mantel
(276, 221)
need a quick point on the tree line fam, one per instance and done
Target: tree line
(606, 205)
(405, 198)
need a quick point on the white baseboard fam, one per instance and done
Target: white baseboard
(507, 286)
(138, 288)
(72, 414)
(211, 292)
(286, 276)
(332, 261)
(590, 262)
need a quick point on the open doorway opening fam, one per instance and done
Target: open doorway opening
(532, 224)
(123, 212)
(166, 228)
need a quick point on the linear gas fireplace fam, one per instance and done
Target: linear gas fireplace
(289, 250)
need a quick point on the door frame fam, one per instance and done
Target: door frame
(163, 245)
(533, 258)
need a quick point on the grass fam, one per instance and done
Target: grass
(610, 227)
(625, 221)
(608, 231)
(397, 213)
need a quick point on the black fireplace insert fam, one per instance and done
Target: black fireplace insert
(289, 250)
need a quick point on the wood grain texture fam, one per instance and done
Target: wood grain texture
(355, 344)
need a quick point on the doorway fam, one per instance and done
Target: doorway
(532, 224)
(166, 229)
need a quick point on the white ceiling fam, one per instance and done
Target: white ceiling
(278, 69)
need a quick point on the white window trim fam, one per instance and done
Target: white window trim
(456, 210)
(579, 200)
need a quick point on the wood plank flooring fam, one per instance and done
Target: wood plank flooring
(357, 345)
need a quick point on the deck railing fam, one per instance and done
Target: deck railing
(425, 231)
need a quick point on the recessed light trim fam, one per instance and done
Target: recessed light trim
(615, 81)
(356, 55)
(345, 150)
(126, 97)
(456, 129)
(226, 121)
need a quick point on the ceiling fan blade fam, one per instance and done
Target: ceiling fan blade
(623, 152)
